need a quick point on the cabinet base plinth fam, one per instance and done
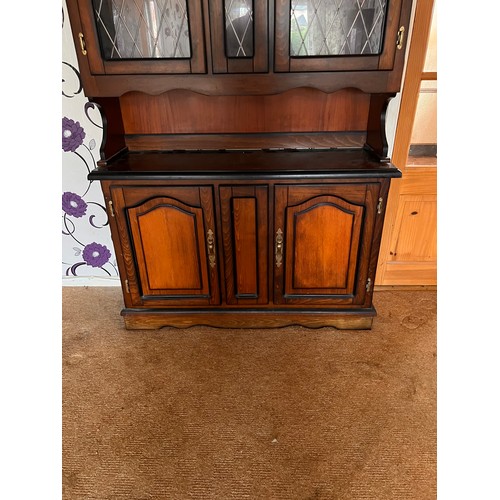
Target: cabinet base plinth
(152, 319)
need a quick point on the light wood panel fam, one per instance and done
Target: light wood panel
(404, 274)
(414, 237)
(408, 253)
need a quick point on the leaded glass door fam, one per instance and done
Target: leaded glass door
(143, 36)
(336, 35)
(239, 35)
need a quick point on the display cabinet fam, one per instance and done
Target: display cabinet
(129, 37)
(244, 163)
(239, 36)
(313, 35)
(133, 45)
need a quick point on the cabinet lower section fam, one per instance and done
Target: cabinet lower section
(248, 250)
(151, 319)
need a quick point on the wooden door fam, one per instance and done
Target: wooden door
(239, 36)
(408, 254)
(142, 38)
(244, 211)
(323, 238)
(170, 234)
(339, 36)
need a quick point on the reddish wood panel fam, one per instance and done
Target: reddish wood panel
(244, 211)
(323, 235)
(299, 110)
(245, 245)
(324, 258)
(163, 247)
(297, 140)
(169, 248)
(166, 230)
(315, 242)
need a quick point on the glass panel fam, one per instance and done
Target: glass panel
(239, 28)
(423, 143)
(143, 29)
(336, 27)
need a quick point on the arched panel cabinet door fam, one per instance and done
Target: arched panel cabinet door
(173, 244)
(323, 240)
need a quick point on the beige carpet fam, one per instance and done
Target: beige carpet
(288, 413)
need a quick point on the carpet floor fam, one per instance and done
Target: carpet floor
(290, 413)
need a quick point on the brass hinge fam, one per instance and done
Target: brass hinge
(127, 286)
(400, 38)
(111, 209)
(368, 284)
(379, 206)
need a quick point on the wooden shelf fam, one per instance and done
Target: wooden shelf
(268, 163)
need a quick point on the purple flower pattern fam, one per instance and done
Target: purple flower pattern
(72, 135)
(96, 255)
(84, 253)
(73, 204)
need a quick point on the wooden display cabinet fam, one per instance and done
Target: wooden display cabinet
(246, 172)
(367, 54)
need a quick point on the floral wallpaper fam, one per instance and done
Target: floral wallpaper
(87, 249)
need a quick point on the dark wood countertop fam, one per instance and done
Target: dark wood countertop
(335, 163)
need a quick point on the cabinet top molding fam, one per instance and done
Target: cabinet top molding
(272, 67)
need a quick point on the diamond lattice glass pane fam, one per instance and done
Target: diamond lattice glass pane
(143, 29)
(336, 27)
(239, 28)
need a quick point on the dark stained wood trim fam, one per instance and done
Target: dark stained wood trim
(358, 319)
(281, 38)
(383, 194)
(237, 84)
(113, 142)
(198, 58)
(123, 251)
(261, 33)
(217, 37)
(333, 64)
(222, 64)
(386, 60)
(264, 165)
(394, 79)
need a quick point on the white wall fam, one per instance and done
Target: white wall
(87, 251)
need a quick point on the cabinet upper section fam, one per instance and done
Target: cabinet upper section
(239, 46)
